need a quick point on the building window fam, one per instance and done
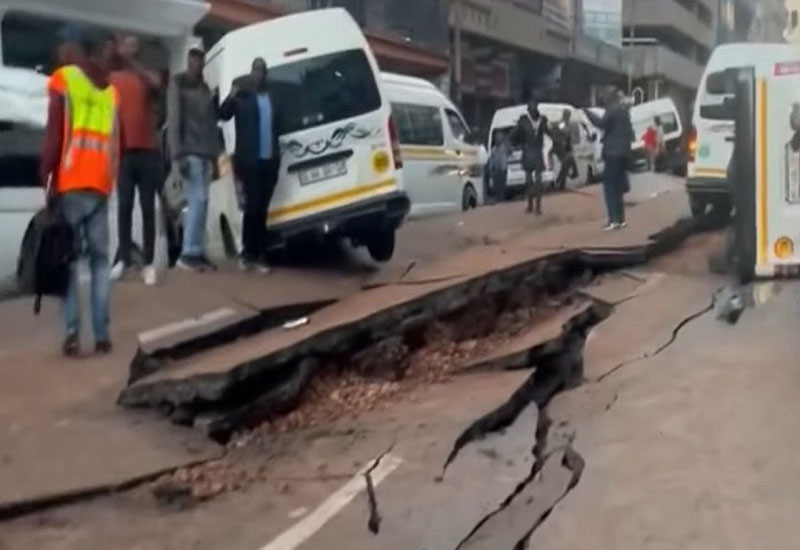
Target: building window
(418, 124)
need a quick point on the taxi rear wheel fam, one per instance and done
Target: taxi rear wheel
(469, 199)
(381, 243)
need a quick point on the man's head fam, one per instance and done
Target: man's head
(79, 45)
(657, 121)
(259, 72)
(196, 62)
(533, 107)
(128, 47)
(566, 115)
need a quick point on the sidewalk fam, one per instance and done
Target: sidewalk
(60, 431)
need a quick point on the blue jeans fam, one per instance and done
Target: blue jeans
(87, 213)
(197, 181)
(614, 188)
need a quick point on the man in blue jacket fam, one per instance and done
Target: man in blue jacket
(257, 158)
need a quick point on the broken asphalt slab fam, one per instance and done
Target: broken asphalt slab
(232, 375)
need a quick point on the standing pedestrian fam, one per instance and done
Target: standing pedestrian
(565, 150)
(79, 166)
(257, 158)
(617, 140)
(529, 135)
(140, 167)
(498, 166)
(650, 139)
(193, 140)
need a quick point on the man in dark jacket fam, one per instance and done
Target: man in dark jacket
(193, 139)
(564, 131)
(257, 158)
(617, 140)
(529, 134)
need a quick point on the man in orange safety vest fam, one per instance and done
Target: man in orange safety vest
(79, 168)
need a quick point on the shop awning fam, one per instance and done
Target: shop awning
(152, 17)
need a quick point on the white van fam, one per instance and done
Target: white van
(586, 143)
(710, 143)
(28, 38)
(442, 166)
(341, 169)
(642, 116)
(504, 121)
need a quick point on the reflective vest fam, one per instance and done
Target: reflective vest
(90, 152)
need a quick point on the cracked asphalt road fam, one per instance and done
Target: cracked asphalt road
(681, 435)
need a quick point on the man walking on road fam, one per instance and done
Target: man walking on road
(193, 141)
(565, 151)
(140, 164)
(257, 158)
(617, 140)
(79, 168)
(529, 134)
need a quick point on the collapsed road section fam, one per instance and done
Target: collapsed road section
(251, 380)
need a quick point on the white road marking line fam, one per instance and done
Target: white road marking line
(304, 529)
(186, 324)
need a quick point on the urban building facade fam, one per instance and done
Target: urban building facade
(668, 42)
(408, 36)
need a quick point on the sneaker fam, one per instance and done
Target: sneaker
(245, 265)
(622, 225)
(188, 263)
(72, 346)
(611, 227)
(119, 271)
(263, 267)
(206, 264)
(149, 275)
(103, 348)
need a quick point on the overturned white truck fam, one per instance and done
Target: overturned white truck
(28, 30)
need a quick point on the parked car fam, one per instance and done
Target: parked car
(442, 164)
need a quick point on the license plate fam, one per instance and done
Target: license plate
(323, 172)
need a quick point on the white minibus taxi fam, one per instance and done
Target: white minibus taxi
(585, 140)
(710, 144)
(642, 116)
(442, 166)
(504, 121)
(341, 168)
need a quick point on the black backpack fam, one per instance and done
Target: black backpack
(46, 256)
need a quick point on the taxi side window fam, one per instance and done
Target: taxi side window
(460, 131)
(418, 124)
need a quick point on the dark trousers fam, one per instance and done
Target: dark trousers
(569, 168)
(614, 183)
(258, 179)
(534, 189)
(139, 169)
